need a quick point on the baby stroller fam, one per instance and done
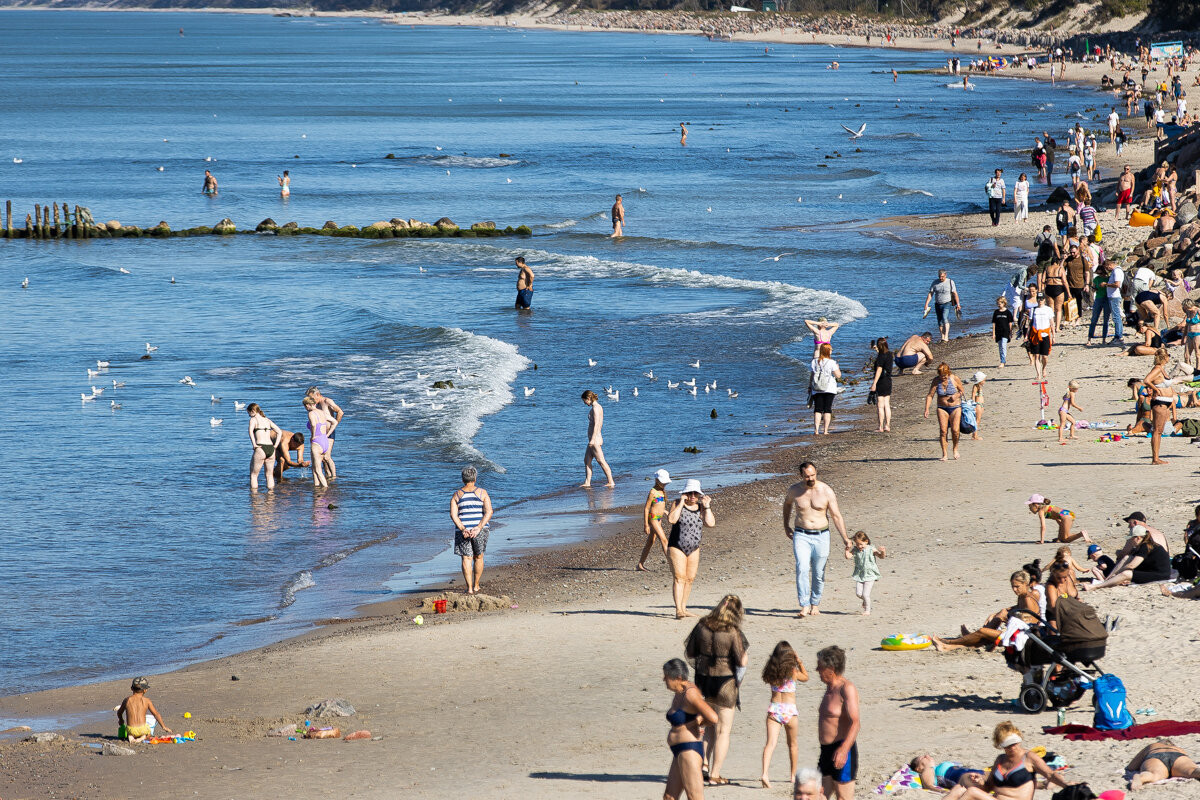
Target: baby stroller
(1056, 668)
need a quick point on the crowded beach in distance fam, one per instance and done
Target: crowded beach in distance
(966, 570)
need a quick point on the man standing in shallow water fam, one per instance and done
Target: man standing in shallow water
(808, 508)
(210, 183)
(618, 219)
(524, 285)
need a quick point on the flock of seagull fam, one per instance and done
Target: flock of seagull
(113, 405)
(688, 386)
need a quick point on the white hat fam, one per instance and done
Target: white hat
(1010, 740)
(663, 477)
(692, 485)
(979, 377)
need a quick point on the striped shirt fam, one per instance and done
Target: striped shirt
(470, 509)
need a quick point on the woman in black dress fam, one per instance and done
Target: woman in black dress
(882, 384)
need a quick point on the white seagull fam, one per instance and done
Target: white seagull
(650, 375)
(187, 380)
(692, 391)
(93, 373)
(214, 421)
(238, 406)
(615, 396)
(212, 398)
(97, 392)
(124, 271)
(733, 394)
(118, 384)
(529, 392)
(695, 364)
(150, 348)
(437, 406)
(432, 392)
(421, 377)
(18, 160)
(404, 403)
(672, 385)
(102, 364)
(113, 405)
(635, 394)
(691, 383)
(86, 398)
(591, 362)
(707, 388)
(858, 133)
(25, 283)
(776, 258)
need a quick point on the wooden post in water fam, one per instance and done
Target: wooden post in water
(37, 221)
(46, 221)
(29, 226)
(57, 231)
(70, 234)
(8, 218)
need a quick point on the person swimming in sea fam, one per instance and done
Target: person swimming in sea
(285, 184)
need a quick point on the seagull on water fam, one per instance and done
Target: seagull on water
(529, 392)
(214, 421)
(707, 388)
(87, 398)
(635, 393)
(733, 393)
(672, 385)
(93, 373)
(150, 348)
(432, 392)
(187, 380)
(650, 375)
(437, 406)
(692, 391)
(118, 384)
(591, 362)
(212, 398)
(18, 160)
(25, 283)
(695, 364)
(97, 392)
(615, 396)
(421, 377)
(691, 383)
(422, 269)
(102, 364)
(404, 403)
(858, 133)
(776, 258)
(436, 147)
(124, 271)
(113, 405)
(238, 406)
(161, 169)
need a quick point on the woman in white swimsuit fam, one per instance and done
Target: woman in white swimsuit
(285, 184)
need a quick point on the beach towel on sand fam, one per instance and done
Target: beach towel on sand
(903, 778)
(1150, 730)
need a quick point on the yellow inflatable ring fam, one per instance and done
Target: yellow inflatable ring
(906, 641)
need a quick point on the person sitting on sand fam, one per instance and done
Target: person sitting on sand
(1158, 761)
(1061, 584)
(986, 636)
(1151, 340)
(944, 775)
(1149, 563)
(1012, 775)
(1063, 556)
(136, 711)
(914, 353)
(1040, 507)
(1104, 563)
(822, 331)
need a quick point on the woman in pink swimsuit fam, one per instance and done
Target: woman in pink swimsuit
(321, 425)
(782, 671)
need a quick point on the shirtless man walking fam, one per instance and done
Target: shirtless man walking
(595, 443)
(808, 508)
(524, 284)
(1125, 188)
(914, 353)
(837, 726)
(618, 219)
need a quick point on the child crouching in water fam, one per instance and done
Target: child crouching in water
(866, 571)
(782, 671)
(1065, 420)
(135, 712)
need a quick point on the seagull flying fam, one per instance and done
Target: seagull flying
(858, 133)
(150, 348)
(776, 258)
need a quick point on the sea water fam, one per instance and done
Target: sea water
(130, 540)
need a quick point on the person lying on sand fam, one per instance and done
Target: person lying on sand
(944, 775)
(1012, 775)
(1158, 761)
(986, 636)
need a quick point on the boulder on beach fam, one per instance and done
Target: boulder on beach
(224, 227)
(334, 707)
(483, 226)
(112, 749)
(1186, 212)
(291, 226)
(45, 737)
(416, 223)
(445, 224)
(399, 223)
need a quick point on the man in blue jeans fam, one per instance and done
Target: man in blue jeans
(1115, 278)
(808, 508)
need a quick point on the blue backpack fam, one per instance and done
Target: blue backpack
(1109, 698)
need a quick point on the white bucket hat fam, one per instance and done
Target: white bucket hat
(692, 485)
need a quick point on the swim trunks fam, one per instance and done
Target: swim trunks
(908, 361)
(848, 771)
(137, 731)
(1125, 198)
(474, 546)
(524, 298)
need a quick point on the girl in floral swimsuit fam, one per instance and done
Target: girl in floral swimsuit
(652, 517)
(782, 671)
(1040, 507)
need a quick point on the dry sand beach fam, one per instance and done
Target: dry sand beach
(561, 695)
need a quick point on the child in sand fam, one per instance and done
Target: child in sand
(866, 571)
(1065, 420)
(1040, 507)
(781, 672)
(136, 711)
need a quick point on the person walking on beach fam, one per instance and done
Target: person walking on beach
(335, 412)
(688, 517)
(652, 516)
(866, 570)
(1126, 184)
(687, 716)
(997, 195)
(720, 651)
(285, 184)
(808, 508)
(471, 511)
(881, 384)
(782, 672)
(265, 437)
(524, 285)
(837, 725)
(823, 387)
(914, 353)
(1041, 336)
(948, 390)
(618, 218)
(1002, 325)
(944, 295)
(210, 184)
(1021, 199)
(1051, 144)
(595, 445)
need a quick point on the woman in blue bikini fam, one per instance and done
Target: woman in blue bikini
(948, 390)
(688, 715)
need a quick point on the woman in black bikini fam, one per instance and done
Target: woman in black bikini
(1054, 286)
(688, 715)
(1162, 401)
(1159, 761)
(265, 436)
(948, 390)
(1012, 775)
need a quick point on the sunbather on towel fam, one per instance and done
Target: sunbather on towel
(1158, 761)
(945, 775)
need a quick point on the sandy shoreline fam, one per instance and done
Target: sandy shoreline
(562, 695)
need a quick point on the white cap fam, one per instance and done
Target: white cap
(1010, 740)
(692, 485)
(663, 477)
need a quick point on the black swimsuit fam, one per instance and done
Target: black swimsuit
(685, 533)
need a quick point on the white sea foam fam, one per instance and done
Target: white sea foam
(571, 223)
(467, 162)
(303, 580)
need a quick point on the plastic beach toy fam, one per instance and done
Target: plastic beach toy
(906, 641)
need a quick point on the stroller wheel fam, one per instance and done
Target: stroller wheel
(1033, 698)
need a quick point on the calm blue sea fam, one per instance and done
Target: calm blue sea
(130, 541)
